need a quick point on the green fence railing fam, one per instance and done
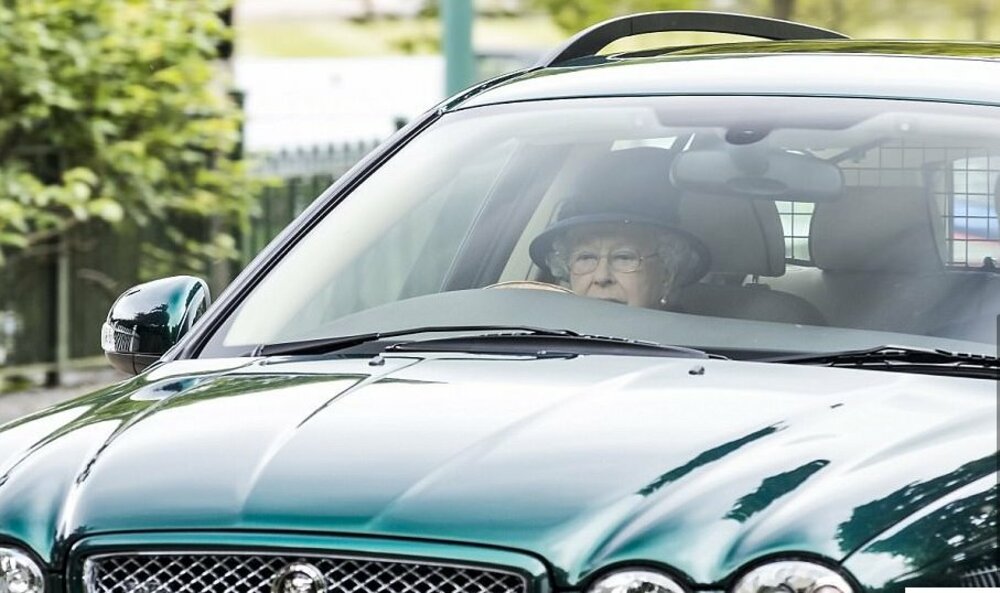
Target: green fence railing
(299, 175)
(54, 297)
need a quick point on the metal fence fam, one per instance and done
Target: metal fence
(295, 177)
(54, 298)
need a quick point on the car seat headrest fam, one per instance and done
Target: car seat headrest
(742, 236)
(878, 228)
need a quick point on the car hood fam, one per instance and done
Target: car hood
(584, 461)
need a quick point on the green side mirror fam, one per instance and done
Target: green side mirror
(148, 319)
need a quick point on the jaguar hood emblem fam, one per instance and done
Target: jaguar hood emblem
(299, 577)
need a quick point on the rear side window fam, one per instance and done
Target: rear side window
(969, 197)
(795, 220)
(964, 187)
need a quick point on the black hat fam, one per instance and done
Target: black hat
(630, 187)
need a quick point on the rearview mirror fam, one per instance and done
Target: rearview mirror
(148, 319)
(756, 173)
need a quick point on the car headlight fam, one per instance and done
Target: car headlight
(636, 581)
(792, 576)
(19, 573)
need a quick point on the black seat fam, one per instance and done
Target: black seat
(746, 242)
(757, 302)
(891, 275)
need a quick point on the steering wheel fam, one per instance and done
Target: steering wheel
(528, 285)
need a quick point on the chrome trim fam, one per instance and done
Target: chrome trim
(522, 584)
(316, 579)
(987, 576)
(402, 558)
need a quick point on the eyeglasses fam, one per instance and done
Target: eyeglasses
(625, 261)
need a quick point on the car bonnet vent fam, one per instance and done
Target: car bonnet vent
(590, 41)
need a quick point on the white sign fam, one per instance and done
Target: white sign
(951, 590)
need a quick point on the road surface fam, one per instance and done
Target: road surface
(15, 405)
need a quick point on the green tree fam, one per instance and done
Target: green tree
(575, 15)
(889, 19)
(113, 110)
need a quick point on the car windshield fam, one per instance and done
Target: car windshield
(736, 224)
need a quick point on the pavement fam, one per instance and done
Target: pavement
(20, 403)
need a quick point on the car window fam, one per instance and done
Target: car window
(795, 220)
(414, 252)
(967, 200)
(401, 244)
(769, 220)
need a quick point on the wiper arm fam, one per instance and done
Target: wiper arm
(488, 339)
(903, 358)
(549, 346)
(325, 345)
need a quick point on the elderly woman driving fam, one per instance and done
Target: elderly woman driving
(623, 246)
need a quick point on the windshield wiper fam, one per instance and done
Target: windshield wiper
(325, 345)
(548, 346)
(904, 358)
(551, 342)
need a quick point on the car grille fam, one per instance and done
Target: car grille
(233, 573)
(983, 577)
(125, 339)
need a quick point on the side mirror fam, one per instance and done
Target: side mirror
(148, 319)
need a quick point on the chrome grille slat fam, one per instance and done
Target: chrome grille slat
(988, 576)
(253, 573)
(125, 339)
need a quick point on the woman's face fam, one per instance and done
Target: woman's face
(616, 263)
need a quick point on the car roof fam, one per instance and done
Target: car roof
(963, 72)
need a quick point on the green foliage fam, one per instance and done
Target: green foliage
(14, 383)
(575, 15)
(113, 110)
(885, 19)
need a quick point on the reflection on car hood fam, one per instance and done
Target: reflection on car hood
(583, 461)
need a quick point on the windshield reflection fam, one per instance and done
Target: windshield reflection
(838, 223)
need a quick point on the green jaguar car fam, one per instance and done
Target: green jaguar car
(705, 318)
